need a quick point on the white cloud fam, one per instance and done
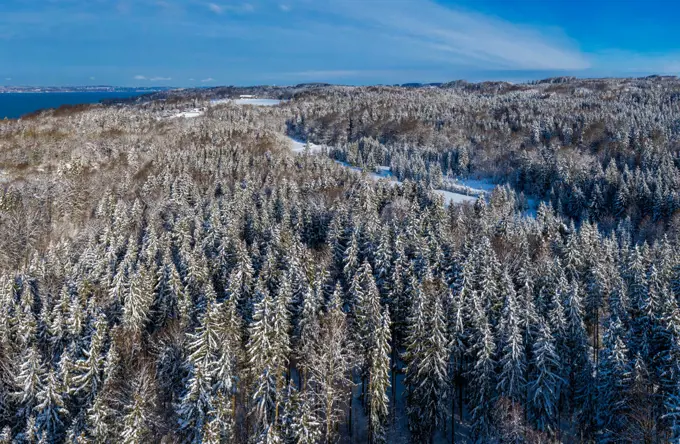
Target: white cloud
(217, 9)
(156, 79)
(284, 7)
(140, 77)
(239, 8)
(8, 78)
(431, 31)
(192, 80)
(209, 79)
(92, 78)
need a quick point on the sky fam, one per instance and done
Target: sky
(251, 42)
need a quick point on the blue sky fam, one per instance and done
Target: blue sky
(235, 42)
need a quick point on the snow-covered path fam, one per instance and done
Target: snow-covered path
(254, 102)
(384, 173)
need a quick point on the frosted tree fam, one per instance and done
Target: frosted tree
(482, 378)
(427, 361)
(299, 423)
(513, 362)
(50, 409)
(330, 364)
(135, 425)
(196, 405)
(137, 419)
(138, 300)
(87, 372)
(98, 423)
(379, 380)
(28, 381)
(545, 381)
(267, 351)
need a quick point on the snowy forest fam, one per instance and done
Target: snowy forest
(194, 280)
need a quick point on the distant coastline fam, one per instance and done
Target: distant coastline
(15, 104)
(80, 89)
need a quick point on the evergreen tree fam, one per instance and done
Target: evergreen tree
(50, 410)
(379, 380)
(427, 362)
(545, 381)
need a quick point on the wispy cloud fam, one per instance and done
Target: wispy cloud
(92, 77)
(217, 9)
(209, 79)
(238, 8)
(430, 31)
(284, 7)
(152, 79)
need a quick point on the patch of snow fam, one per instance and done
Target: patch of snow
(455, 198)
(254, 102)
(300, 146)
(188, 114)
(383, 172)
(485, 184)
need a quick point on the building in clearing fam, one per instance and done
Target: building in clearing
(246, 96)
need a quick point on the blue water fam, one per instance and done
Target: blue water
(15, 105)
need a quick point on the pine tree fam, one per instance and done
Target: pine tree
(545, 381)
(299, 423)
(379, 379)
(268, 350)
(98, 425)
(427, 362)
(138, 299)
(29, 381)
(513, 364)
(135, 422)
(196, 405)
(50, 409)
(482, 378)
(87, 372)
(330, 364)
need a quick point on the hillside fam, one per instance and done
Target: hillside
(176, 270)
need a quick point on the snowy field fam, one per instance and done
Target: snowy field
(299, 146)
(188, 114)
(254, 102)
(455, 198)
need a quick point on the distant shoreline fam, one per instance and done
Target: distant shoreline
(14, 105)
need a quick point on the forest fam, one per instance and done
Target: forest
(193, 280)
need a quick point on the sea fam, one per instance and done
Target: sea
(15, 105)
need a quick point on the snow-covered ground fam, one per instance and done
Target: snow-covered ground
(299, 146)
(189, 114)
(478, 184)
(196, 112)
(254, 102)
(455, 198)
